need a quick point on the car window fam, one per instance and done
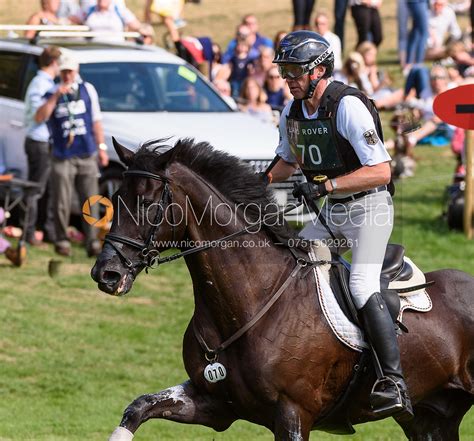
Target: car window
(151, 87)
(10, 74)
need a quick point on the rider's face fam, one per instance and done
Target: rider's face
(298, 86)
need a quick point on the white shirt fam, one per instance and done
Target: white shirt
(39, 86)
(114, 19)
(442, 24)
(353, 119)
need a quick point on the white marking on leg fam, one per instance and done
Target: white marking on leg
(121, 434)
(177, 394)
(295, 434)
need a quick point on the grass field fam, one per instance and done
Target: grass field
(71, 358)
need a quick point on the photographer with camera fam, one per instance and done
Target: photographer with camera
(74, 121)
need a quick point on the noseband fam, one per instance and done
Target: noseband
(148, 254)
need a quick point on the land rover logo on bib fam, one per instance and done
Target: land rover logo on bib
(371, 137)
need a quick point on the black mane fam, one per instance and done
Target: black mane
(232, 177)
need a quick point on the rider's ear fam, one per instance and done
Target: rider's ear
(125, 155)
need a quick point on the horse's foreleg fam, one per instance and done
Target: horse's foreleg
(182, 403)
(292, 422)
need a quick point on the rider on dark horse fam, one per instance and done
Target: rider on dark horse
(332, 132)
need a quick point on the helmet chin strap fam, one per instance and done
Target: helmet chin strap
(313, 82)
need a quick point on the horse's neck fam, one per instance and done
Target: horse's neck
(232, 284)
(232, 280)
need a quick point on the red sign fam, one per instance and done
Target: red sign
(456, 106)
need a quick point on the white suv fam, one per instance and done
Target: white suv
(145, 93)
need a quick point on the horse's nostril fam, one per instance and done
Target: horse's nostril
(111, 277)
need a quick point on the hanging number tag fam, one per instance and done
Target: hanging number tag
(215, 372)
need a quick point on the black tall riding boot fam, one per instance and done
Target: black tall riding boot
(389, 395)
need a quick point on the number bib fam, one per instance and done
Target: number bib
(313, 144)
(215, 372)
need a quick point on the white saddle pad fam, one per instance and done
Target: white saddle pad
(346, 331)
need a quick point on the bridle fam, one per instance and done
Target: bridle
(149, 256)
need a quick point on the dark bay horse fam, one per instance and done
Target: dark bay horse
(287, 370)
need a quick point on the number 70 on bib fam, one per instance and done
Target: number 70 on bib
(310, 155)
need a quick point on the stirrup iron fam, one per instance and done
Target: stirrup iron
(393, 403)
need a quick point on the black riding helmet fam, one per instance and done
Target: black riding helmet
(300, 52)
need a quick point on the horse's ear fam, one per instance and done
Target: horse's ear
(125, 155)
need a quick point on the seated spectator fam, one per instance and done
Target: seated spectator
(277, 38)
(259, 68)
(455, 76)
(353, 72)
(442, 25)
(253, 99)
(237, 68)
(216, 64)
(377, 83)
(46, 16)
(461, 56)
(15, 256)
(433, 130)
(170, 13)
(321, 26)
(85, 6)
(223, 86)
(68, 9)
(247, 29)
(278, 93)
(256, 39)
(108, 17)
(242, 33)
(460, 7)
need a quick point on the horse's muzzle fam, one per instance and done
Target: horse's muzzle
(110, 274)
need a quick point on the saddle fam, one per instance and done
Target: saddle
(395, 268)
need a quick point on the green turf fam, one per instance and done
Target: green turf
(71, 358)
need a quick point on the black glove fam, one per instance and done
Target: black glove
(264, 178)
(309, 191)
